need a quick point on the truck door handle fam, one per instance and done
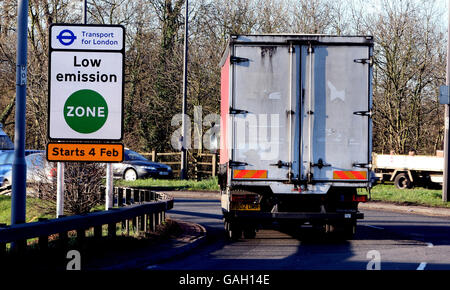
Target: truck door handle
(237, 163)
(320, 164)
(280, 164)
(362, 165)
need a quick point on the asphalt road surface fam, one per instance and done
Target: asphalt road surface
(384, 240)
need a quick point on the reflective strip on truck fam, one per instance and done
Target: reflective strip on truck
(250, 174)
(358, 175)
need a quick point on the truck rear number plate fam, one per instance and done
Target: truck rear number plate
(245, 206)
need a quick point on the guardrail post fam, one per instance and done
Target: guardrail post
(119, 196)
(98, 232)
(153, 156)
(127, 227)
(2, 245)
(142, 223)
(135, 195)
(43, 240)
(81, 235)
(127, 195)
(63, 240)
(146, 223)
(152, 222)
(115, 196)
(111, 230)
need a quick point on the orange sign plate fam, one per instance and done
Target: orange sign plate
(76, 152)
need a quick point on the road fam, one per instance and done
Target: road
(400, 241)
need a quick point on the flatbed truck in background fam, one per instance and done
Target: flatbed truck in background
(407, 171)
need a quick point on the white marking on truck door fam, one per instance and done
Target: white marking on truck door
(335, 93)
(275, 96)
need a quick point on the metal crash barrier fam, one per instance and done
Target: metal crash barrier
(145, 210)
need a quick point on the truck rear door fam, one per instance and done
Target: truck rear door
(262, 99)
(336, 119)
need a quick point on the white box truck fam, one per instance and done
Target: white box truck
(296, 131)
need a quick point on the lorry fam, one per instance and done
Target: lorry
(296, 132)
(407, 171)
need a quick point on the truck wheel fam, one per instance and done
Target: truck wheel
(233, 231)
(348, 231)
(402, 181)
(341, 230)
(250, 233)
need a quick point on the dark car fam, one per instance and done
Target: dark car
(137, 166)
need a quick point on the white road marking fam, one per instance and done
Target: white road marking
(375, 227)
(422, 266)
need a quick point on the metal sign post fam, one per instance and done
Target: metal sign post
(19, 168)
(183, 171)
(446, 181)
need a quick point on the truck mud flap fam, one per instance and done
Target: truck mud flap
(295, 216)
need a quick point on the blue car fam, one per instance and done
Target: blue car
(6, 161)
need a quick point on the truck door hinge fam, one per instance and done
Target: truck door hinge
(237, 111)
(232, 163)
(362, 165)
(364, 113)
(364, 61)
(281, 164)
(236, 59)
(320, 164)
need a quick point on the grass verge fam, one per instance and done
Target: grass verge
(32, 213)
(415, 196)
(173, 184)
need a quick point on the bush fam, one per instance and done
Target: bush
(82, 182)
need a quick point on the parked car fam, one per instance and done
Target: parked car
(39, 170)
(5, 141)
(137, 166)
(6, 161)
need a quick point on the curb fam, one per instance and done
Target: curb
(193, 236)
(419, 210)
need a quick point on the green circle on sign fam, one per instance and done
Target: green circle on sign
(85, 111)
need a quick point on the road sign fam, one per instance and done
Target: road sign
(86, 82)
(63, 152)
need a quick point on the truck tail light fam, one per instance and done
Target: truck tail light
(360, 198)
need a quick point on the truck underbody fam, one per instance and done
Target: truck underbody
(247, 209)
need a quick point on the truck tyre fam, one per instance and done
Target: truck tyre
(348, 231)
(234, 233)
(402, 181)
(250, 233)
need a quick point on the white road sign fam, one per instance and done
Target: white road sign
(86, 84)
(91, 37)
